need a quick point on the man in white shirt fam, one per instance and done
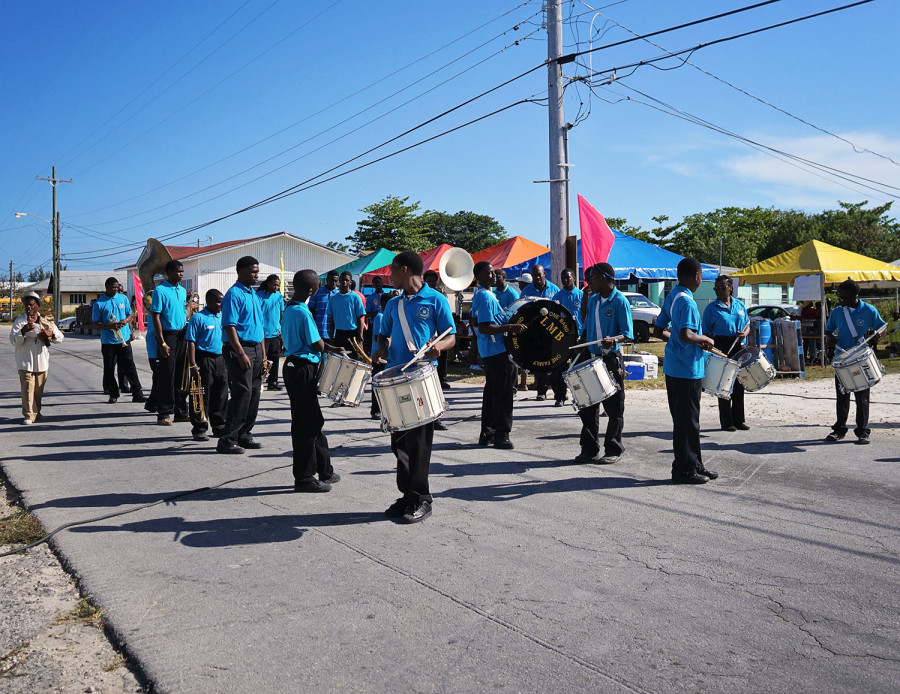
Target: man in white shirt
(31, 335)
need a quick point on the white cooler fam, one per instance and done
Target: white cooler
(641, 367)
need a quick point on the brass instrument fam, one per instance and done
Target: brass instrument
(267, 364)
(115, 331)
(360, 352)
(193, 304)
(152, 262)
(197, 391)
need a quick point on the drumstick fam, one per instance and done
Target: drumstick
(428, 345)
(543, 312)
(719, 352)
(736, 338)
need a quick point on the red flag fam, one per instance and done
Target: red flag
(138, 300)
(596, 236)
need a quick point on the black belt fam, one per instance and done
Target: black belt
(174, 332)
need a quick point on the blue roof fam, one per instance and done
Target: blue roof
(635, 261)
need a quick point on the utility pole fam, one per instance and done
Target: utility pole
(12, 290)
(559, 222)
(55, 223)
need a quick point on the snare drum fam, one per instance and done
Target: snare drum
(756, 370)
(411, 398)
(719, 377)
(343, 379)
(857, 369)
(590, 383)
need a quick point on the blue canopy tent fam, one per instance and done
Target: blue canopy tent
(635, 262)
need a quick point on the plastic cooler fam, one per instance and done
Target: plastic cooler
(641, 367)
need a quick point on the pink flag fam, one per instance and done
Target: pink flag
(138, 300)
(596, 236)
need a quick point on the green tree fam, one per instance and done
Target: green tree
(38, 274)
(467, 230)
(390, 223)
(870, 232)
(338, 246)
(741, 231)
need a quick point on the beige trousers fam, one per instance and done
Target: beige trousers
(32, 391)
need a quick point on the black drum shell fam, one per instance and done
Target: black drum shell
(544, 347)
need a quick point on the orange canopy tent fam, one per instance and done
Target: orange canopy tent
(431, 258)
(511, 252)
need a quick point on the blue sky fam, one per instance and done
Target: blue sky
(164, 113)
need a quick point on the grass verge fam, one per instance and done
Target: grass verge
(20, 528)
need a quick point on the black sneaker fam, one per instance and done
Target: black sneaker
(689, 479)
(228, 450)
(558, 403)
(504, 443)
(708, 473)
(398, 508)
(201, 437)
(585, 457)
(112, 400)
(731, 428)
(540, 397)
(417, 513)
(439, 425)
(250, 444)
(485, 438)
(334, 479)
(312, 486)
(835, 436)
(863, 439)
(138, 397)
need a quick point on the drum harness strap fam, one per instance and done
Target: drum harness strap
(850, 324)
(404, 326)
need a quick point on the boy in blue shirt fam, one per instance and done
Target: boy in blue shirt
(272, 304)
(684, 366)
(303, 348)
(169, 316)
(110, 314)
(378, 366)
(204, 350)
(723, 320)
(851, 321)
(427, 314)
(539, 286)
(347, 314)
(499, 370)
(607, 318)
(505, 293)
(570, 297)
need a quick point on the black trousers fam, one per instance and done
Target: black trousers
(342, 338)
(170, 374)
(376, 369)
(413, 451)
(684, 406)
(442, 367)
(214, 380)
(731, 412)
(615, 411)
(128, 383)
(151, 403)
(243, 390)
(843, 410)
(499, 390)
(310, 447)
(273, 353)
(123, 356)
(552, 380)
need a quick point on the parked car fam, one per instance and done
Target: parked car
(643, 315)
(774, 311)
(67, 325)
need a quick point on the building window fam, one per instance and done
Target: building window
(78, 299)
(188, 284)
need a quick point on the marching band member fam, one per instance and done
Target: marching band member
(571, 297)
(373, 308)
(506, 295)
(851, 321)
(272, 303)
(169, 316)
(607, 318)
(31, 338)
(431, 278)
(684, 367)
(152, 354)
(303, 348)
(409, 322)
(244, 350)
(542, 289)
(378, 366)
(204, 351)
(723, 320)
(346, 313)
(499, 370)
(110, 314)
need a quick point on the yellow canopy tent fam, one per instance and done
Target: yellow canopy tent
(820, 264)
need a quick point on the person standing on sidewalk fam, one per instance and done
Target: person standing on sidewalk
(318, 303)
(272, 303)
(204, 351)
(169, 315)
(346, 314)
(303, 349)
(244, 350)
(109, 314)
(499, 370)
(32, 338)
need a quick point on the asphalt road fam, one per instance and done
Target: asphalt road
(534, 574)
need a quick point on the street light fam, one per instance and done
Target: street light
(56, 269)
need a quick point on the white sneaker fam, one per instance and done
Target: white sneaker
(27, 421)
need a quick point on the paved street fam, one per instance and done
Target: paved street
(534, 574)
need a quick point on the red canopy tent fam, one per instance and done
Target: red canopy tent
(511, 252)
(431, 258)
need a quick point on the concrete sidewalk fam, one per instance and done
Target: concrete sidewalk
(534, 574)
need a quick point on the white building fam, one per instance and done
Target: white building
(76, 287)
(213, 267)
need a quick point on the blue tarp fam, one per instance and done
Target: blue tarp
(635, 262)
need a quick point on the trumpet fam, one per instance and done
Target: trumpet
(116, 332)
(267, 364)
(197, 393)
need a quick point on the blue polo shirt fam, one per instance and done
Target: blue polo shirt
(428, 314)
(345, 310)
(377, 320)
(205, 331)
(614, 316)
(318, 306)
(683, 359)
(547, 293)
(168, 301)
(117, 306)
(486, 305)
(506, 297)
(373, 302)
(150, 339)
(719, 319)
(241, 308)
(299, 331)
(864, 317)
(271, 304)
(572, 299)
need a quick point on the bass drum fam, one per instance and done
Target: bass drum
(545, 345)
